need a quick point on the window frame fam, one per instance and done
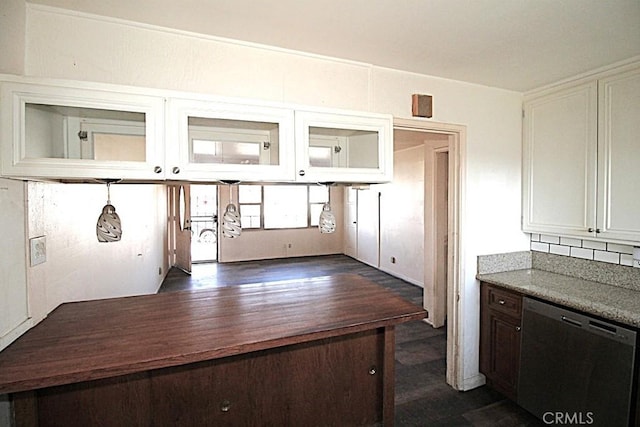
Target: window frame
(262, 209)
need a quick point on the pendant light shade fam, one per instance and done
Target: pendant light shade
(108, 228)
(327, 223)
(231, 226)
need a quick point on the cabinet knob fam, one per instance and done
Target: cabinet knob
(175, 170)
(372, 370)
(590, 230)
(501, 302)
(518, 328)
(301, 172)
(157, 169)
(225, 405)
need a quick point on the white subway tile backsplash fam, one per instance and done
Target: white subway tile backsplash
(549, 239)
(604, 256)
(590, 244)
(559, 250)
(613, 253)
(623, 249)
(569, 241)
(626, 259)
(582, 253)
(539, 247)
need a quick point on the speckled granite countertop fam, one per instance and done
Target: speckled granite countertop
(607, 301)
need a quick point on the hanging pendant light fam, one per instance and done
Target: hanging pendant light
(231, 226)
(327, 223)
(109, 228)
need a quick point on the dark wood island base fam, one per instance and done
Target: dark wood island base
(311, 352)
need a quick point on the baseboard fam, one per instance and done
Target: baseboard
(473, 382)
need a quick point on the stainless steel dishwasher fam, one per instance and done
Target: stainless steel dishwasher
(574, 369)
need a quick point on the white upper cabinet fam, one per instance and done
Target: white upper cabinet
(582, 159)
(560, 158)
(80, 130)
(58, 131)
(343, 147)
(619, 156)
(211, 140)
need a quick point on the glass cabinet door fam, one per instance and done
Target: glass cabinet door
(62, 132)
(225, 141)
(343, 147)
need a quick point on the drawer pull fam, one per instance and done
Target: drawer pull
(501, 301)
(225, 405)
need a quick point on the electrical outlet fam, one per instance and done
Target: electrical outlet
(38, 250)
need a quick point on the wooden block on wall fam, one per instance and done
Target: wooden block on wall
(421, 105)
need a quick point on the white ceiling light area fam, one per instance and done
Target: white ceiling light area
(512, 44)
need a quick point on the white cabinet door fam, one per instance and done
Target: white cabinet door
(343, 147)
(211, 141)
(58, 131)
(619, 157)
(560, 157)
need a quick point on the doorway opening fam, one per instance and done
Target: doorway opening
(443, 144)
(192, 225)
(204, 223)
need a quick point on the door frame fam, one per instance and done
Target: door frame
(457, 149)
(436, 256)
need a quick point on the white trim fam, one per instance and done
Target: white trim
(473, 382)
(457, 176)
(616, 67)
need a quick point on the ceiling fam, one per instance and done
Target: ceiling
(512, 44)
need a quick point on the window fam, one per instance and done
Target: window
(318, 196)
(250, 199)
(281, 206)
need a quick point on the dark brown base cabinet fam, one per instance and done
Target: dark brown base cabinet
(500, 325)
(333, 382)
(315, 353)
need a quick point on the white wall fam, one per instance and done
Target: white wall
(12, 36)
(78, 267)
(114, 51)
(266, 244)
(402, 217)
(14, 309)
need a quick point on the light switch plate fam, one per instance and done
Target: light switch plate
(38, 246)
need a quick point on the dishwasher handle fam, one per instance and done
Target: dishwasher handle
(571, 321)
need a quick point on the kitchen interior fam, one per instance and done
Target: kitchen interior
(511, 203)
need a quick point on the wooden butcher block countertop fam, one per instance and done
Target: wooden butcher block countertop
(89, 340)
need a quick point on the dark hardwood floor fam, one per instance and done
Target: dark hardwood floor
(422, 396)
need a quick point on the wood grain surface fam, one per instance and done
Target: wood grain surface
(105, 338)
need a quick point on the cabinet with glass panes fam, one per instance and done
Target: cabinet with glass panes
(64, 131)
